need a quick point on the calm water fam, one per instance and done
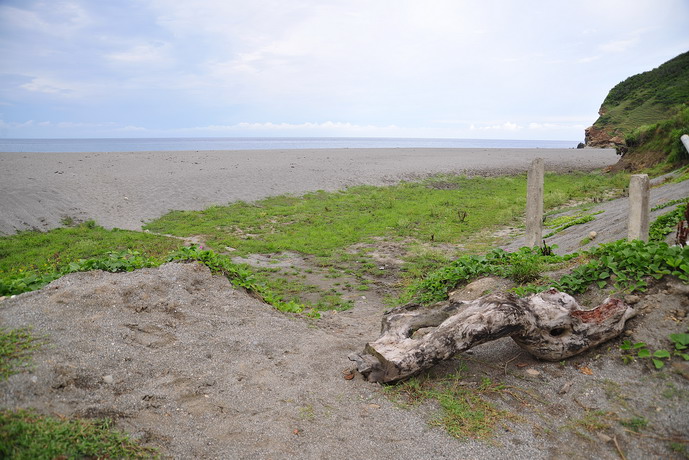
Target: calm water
(261, 143)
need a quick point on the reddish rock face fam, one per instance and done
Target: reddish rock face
(599, 137)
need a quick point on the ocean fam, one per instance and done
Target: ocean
(262, 143)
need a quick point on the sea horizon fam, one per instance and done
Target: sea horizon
(104, 145)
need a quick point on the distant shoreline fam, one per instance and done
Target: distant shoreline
(127, 189)
(120, 145)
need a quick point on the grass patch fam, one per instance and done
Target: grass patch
(27, 435)
(563, 222)
(464, 410)
(31, 259)
(424, 217)
(16, 346)
(593, 421)
(322, 223)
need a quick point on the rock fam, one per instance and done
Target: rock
(599, 137)
(681, 368)
(480, 287)
(108, 379)
(592, 235)
(533, 372)
(565, 388)
(632, 299)
(603, 437)
(581, 145)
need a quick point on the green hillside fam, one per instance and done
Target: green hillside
(645, 114)
(646, 98)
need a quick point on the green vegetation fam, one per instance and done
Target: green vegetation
(627, 264)
(464, 410)
(667, 223)
(420, 218)
(29, 260)
(646, 98)
(680, 344)
(16, 346)
(16, 282)
(649, 111)
(661, 138)
(238, 275)
(442, 209)
(563, 222)
(27, 435)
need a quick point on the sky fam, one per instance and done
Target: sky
(478, 69)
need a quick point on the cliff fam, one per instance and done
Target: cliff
(640, 114)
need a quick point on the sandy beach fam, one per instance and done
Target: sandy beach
(127, 189)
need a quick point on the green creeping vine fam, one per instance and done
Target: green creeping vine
(640, 349)
(238, 275)
(127, 261)
(522, 265)
(627, 264)
(113, 261)
(666, 224)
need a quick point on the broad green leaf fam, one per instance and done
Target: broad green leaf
(682, 339)
(658, 363)
(661, 354)
(644, 353)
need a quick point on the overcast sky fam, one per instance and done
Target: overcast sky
(198, 68)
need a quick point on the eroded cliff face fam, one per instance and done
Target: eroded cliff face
(603, 136)
(595, 136)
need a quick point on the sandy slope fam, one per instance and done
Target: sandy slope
(182, 361)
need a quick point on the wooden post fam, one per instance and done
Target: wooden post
(685, 141)
(534, 203)
(639, 192)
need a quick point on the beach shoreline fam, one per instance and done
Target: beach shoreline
(127, 189)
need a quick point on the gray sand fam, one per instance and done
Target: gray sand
(127, 189)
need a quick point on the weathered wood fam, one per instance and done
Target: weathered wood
(550, 325)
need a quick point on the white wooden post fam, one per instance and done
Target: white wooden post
(639, 193)
(685, 141)
(534, 203)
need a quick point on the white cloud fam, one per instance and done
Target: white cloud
(618, 46)
(587, 59)
(58, 19)
(307, 128)
(506, 126)
(556, 126)
(155, 53)
(46, 85)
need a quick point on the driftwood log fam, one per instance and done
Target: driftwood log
(550, 325)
